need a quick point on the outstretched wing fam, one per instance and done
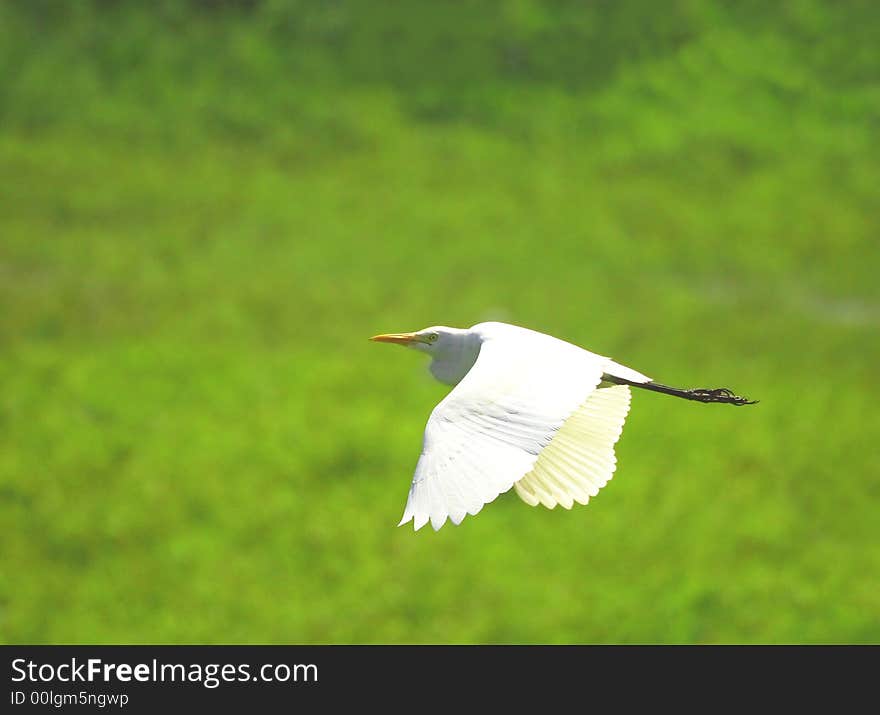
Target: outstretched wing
(490, 430)
(580, 458)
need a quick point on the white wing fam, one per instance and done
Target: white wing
(580, 459)
(490, 430)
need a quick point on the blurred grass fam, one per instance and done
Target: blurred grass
(209, 206)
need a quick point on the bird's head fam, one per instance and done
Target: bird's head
(454, 350)
(433, 340)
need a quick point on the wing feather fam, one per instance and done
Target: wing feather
(580, 458)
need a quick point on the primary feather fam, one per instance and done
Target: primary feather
(580, 458)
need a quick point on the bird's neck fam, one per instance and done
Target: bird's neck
(454, 363)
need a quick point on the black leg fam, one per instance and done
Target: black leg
(699, 394)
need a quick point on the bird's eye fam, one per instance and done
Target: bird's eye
(433, 337)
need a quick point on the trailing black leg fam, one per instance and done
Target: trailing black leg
(698, 394)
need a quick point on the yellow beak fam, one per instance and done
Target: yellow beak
(399, 338)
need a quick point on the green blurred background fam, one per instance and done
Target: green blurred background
(207, 208)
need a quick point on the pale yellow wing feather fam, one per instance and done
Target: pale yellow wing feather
(580, 459)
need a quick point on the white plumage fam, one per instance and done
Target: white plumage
(528, 411)
(580, 458)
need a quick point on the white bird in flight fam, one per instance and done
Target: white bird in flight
(528, 411)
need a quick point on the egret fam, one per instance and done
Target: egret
(527, 411)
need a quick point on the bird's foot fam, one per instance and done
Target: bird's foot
(719, 394)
